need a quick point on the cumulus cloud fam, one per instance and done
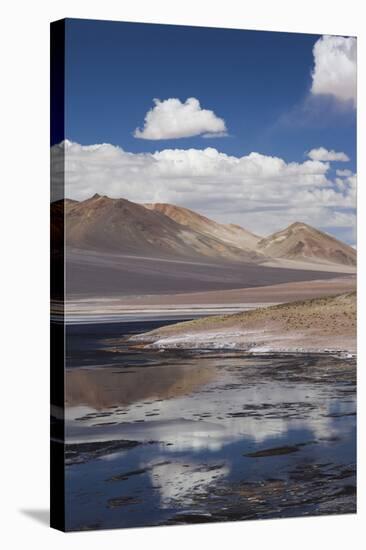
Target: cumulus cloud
(344, 173)
(172, 119)
(262, 193)
(335, 68)
(323, 154)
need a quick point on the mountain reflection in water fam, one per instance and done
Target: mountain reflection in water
(102, 387)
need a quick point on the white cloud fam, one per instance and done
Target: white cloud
(172, 119)
(344, 173)
(323, 154)
(335, 68)
(259, 192)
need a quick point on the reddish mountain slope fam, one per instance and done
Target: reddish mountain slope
(300, 241)
(119, 225)
(230, 233)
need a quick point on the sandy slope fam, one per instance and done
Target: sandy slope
(230, 233)
(190, 304)
(276, 293)
(319, 324)
(93, 273)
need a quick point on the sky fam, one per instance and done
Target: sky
(248, 127)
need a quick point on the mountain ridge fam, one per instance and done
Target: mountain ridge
(167, 230)
(300, 241)
(120, 225)
(233, 234)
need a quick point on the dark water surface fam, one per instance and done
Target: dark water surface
(179, 437)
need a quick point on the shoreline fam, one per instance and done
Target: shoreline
(178, 313)
(316, 325)
(346, 353)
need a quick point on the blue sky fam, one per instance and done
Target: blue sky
(259, 83)
(252, 79)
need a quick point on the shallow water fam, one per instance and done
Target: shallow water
(175, 437)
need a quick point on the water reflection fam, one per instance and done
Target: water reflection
(156, 438)
(204, 403)
(180, 482)
(100, 388)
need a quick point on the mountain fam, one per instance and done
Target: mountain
(161, 230)
(121, 226)
(230, 233)
(300, 241)
(115, 247)
(58, 211)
